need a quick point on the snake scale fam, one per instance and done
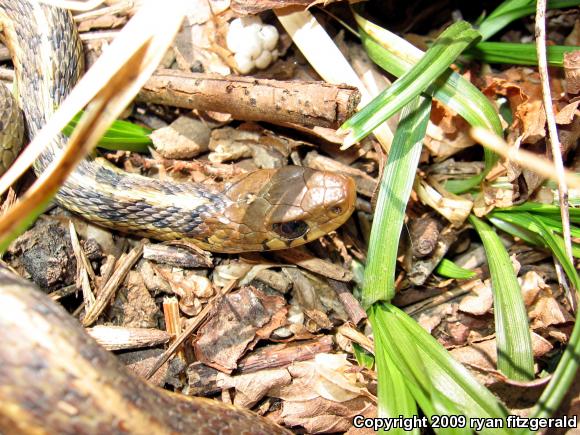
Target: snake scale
(53, 376)
(262, 210)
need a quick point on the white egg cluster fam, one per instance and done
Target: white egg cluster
(253, 43)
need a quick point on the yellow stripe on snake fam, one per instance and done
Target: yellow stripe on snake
(262, 210)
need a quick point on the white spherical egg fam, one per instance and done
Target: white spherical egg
(264, 60)
(275, 54)
(269, 36)
(233, 39)
(244, 63)
(251, 45)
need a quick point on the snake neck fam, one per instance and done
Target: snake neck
(48, 62)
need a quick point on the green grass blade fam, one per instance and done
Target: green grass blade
(554, 242)
(514, 345)
(555, 224)
(565, 373)
(397, 56)
(449, 269)
(548, 209)
(395, 189)
(435, 61)
(525, 235)
(516, 231)
(407, 374)
(394, 398)
(518, 54)
(437, 381)
(121, 135)
(450, 88)
(510, 11)
(562, 378)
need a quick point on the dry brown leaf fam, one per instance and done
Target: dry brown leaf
(325, 416)
(483, 355)
(252, 387)
(447, 133)
(134, 307)
(521, 87)
(234, 325)
(480, 302)
(547, 311)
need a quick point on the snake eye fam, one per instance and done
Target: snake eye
(291, 230)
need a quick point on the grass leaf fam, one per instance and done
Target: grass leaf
(449, 269)
(514, 345)
(435, 61)
(395, 189)
(397, 56)
(121, 135)
(439, 383)
(518, 54)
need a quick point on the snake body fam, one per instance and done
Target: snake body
(262, 210)
(53, 377)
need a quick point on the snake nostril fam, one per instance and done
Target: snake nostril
(337, 210)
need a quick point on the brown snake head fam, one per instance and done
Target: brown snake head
(281, 208)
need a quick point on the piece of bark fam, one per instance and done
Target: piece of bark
(233, 326)
(252, 7)
(355, 312)
(424, 233)
(202, 379)
(110, 287)
(45, 252)
(118, 337)
(140, 361)
(56, 379)
(572, 72)
(246, 98)
(174, 256)
(308, 299)
(301, 257)
(133, 306)
(274, 280)
(184, 138)
(421, 268)
(281, 355)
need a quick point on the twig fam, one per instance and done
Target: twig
(305, 103)
(190, 328)
(250, 7)
(552, 131)
(112, 284)
(84, 268)
(121, 338)
(325, 57)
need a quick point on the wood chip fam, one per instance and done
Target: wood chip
(301, 257)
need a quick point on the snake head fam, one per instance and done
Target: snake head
(282, 208)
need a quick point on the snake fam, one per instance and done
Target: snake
(267, 209)
(54, 378)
